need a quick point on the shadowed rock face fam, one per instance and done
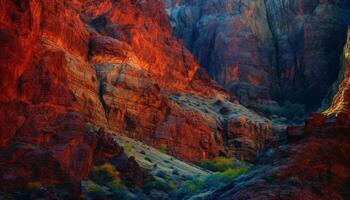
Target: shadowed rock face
(231, 40)
(289, 49)
(309, 38)
(315, 163)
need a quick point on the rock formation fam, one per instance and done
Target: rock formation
(231, 40)
(75, 72)
(68, 68)
(314, 165)
(288, 49)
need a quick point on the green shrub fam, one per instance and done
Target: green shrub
(188, 187)
(94, 189)
(163, 148)
(115, 184)
(172, 185)
(219, 163)
(222, 178)
(104, 174)
(128, 148)
(157, 184)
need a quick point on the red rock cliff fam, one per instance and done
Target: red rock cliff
(67, 67)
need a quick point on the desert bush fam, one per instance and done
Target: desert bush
(219, 163)
(163, 148)
(222, 178)
(104, 174)
(188, 188)
(128, 147)
(172, 185)
(157, 184)
(94, 190)
(115, 184)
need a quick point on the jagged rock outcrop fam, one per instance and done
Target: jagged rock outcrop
(289, 49)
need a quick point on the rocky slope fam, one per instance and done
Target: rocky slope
(69, 68)
(288, 49)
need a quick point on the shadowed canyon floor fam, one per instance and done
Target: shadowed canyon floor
(105, 99)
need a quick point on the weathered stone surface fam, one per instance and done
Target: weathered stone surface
(136, 97)
(231, 40)
(143, 28)
(309, 37)
(67, 67)
(317, 167)
(247, 136)
(49, 93)
(289, 49)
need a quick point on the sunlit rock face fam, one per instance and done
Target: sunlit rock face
(284, 49)
(340, 103)
(68, 68)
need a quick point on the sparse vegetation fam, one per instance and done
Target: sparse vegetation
(158, 184)
(219, 163)
(163, 148)
(288, 110)
(128, 148)
(104, 174)
(94, 189)
(222, 178)
(226, 170)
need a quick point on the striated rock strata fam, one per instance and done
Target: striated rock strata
(67, 67)
(279, 49)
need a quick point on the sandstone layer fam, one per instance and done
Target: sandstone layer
(69, 68)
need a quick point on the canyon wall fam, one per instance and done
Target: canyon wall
(313, 165)
(231, 40)
(69, 69)
(279, 49)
